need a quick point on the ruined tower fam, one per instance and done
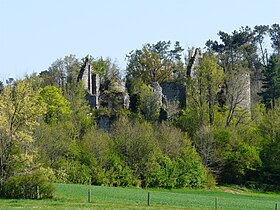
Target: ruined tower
(91, 83)
(194, 62)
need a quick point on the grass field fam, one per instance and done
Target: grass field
(70, 196)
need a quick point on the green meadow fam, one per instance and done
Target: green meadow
(72, 196)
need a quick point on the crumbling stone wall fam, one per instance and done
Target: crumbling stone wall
(194, 62)
(174, 92)
(91, 83)
(157, 89)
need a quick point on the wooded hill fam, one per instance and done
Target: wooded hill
(225, 130)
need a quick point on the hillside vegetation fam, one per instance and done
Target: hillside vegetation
(50, 132)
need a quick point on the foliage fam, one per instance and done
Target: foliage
(30, 186)
(45, 120)
(134, 142)
(61, 73)
(274, 33)
(81, 115)
(269, 129)
(154, 62)
(202, 89)
(271, 81)
(20, 108)
(170, 140)
(57, 106)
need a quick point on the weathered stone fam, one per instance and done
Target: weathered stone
(91, 82)
(115, 96)
(246, 93)
(96, 88)
(194, 62)
(174, 92)
(157, 89)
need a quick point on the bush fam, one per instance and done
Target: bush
(25, 186)
(118, 173)
(72, 171)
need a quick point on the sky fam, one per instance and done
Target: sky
(34, 33)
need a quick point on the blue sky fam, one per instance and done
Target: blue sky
(34, 33)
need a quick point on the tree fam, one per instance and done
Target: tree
(239, 58)
(154, 63)
(236, 50)
(202, 89)
(20, 111)
(271, 81)
(62, 73)
(206, 145)
(170, 140)
(134, 142)
(57, 106)
(81, 114)
(149, 103)
(237, 97)
(260, 32)
(274, 33)
(269, 128)
(107, 69)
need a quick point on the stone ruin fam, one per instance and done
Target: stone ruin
(105, 96)
(170, 95)
(194, 62)
(91, 83)
(114, 95)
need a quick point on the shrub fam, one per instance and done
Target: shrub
(25, 186)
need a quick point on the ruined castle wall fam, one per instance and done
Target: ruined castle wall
(174, 92)
(87, 78)
(157, 91)
(92, 84)
(96, 89)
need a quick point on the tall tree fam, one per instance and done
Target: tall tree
(260, 33)
(154, 62)
(20, 112)
(271, 81)
(202, 89)
(238, 56)
(274, 33)
(62, 72)
(57, 106)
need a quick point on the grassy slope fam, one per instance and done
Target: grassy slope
(75, 197)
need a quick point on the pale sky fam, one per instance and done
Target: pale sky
(34, 33)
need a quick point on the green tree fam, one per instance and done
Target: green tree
(58, 107)
(134, 142)
(239, 58)
(202, 89)
(154, 62)
(170, 140)
(260, 32)
(271, 81)
(274, 33)
(20, 111)
(149, 103)
(62, 73)
(81, 115)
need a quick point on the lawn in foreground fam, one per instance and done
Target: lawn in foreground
(71, 196)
